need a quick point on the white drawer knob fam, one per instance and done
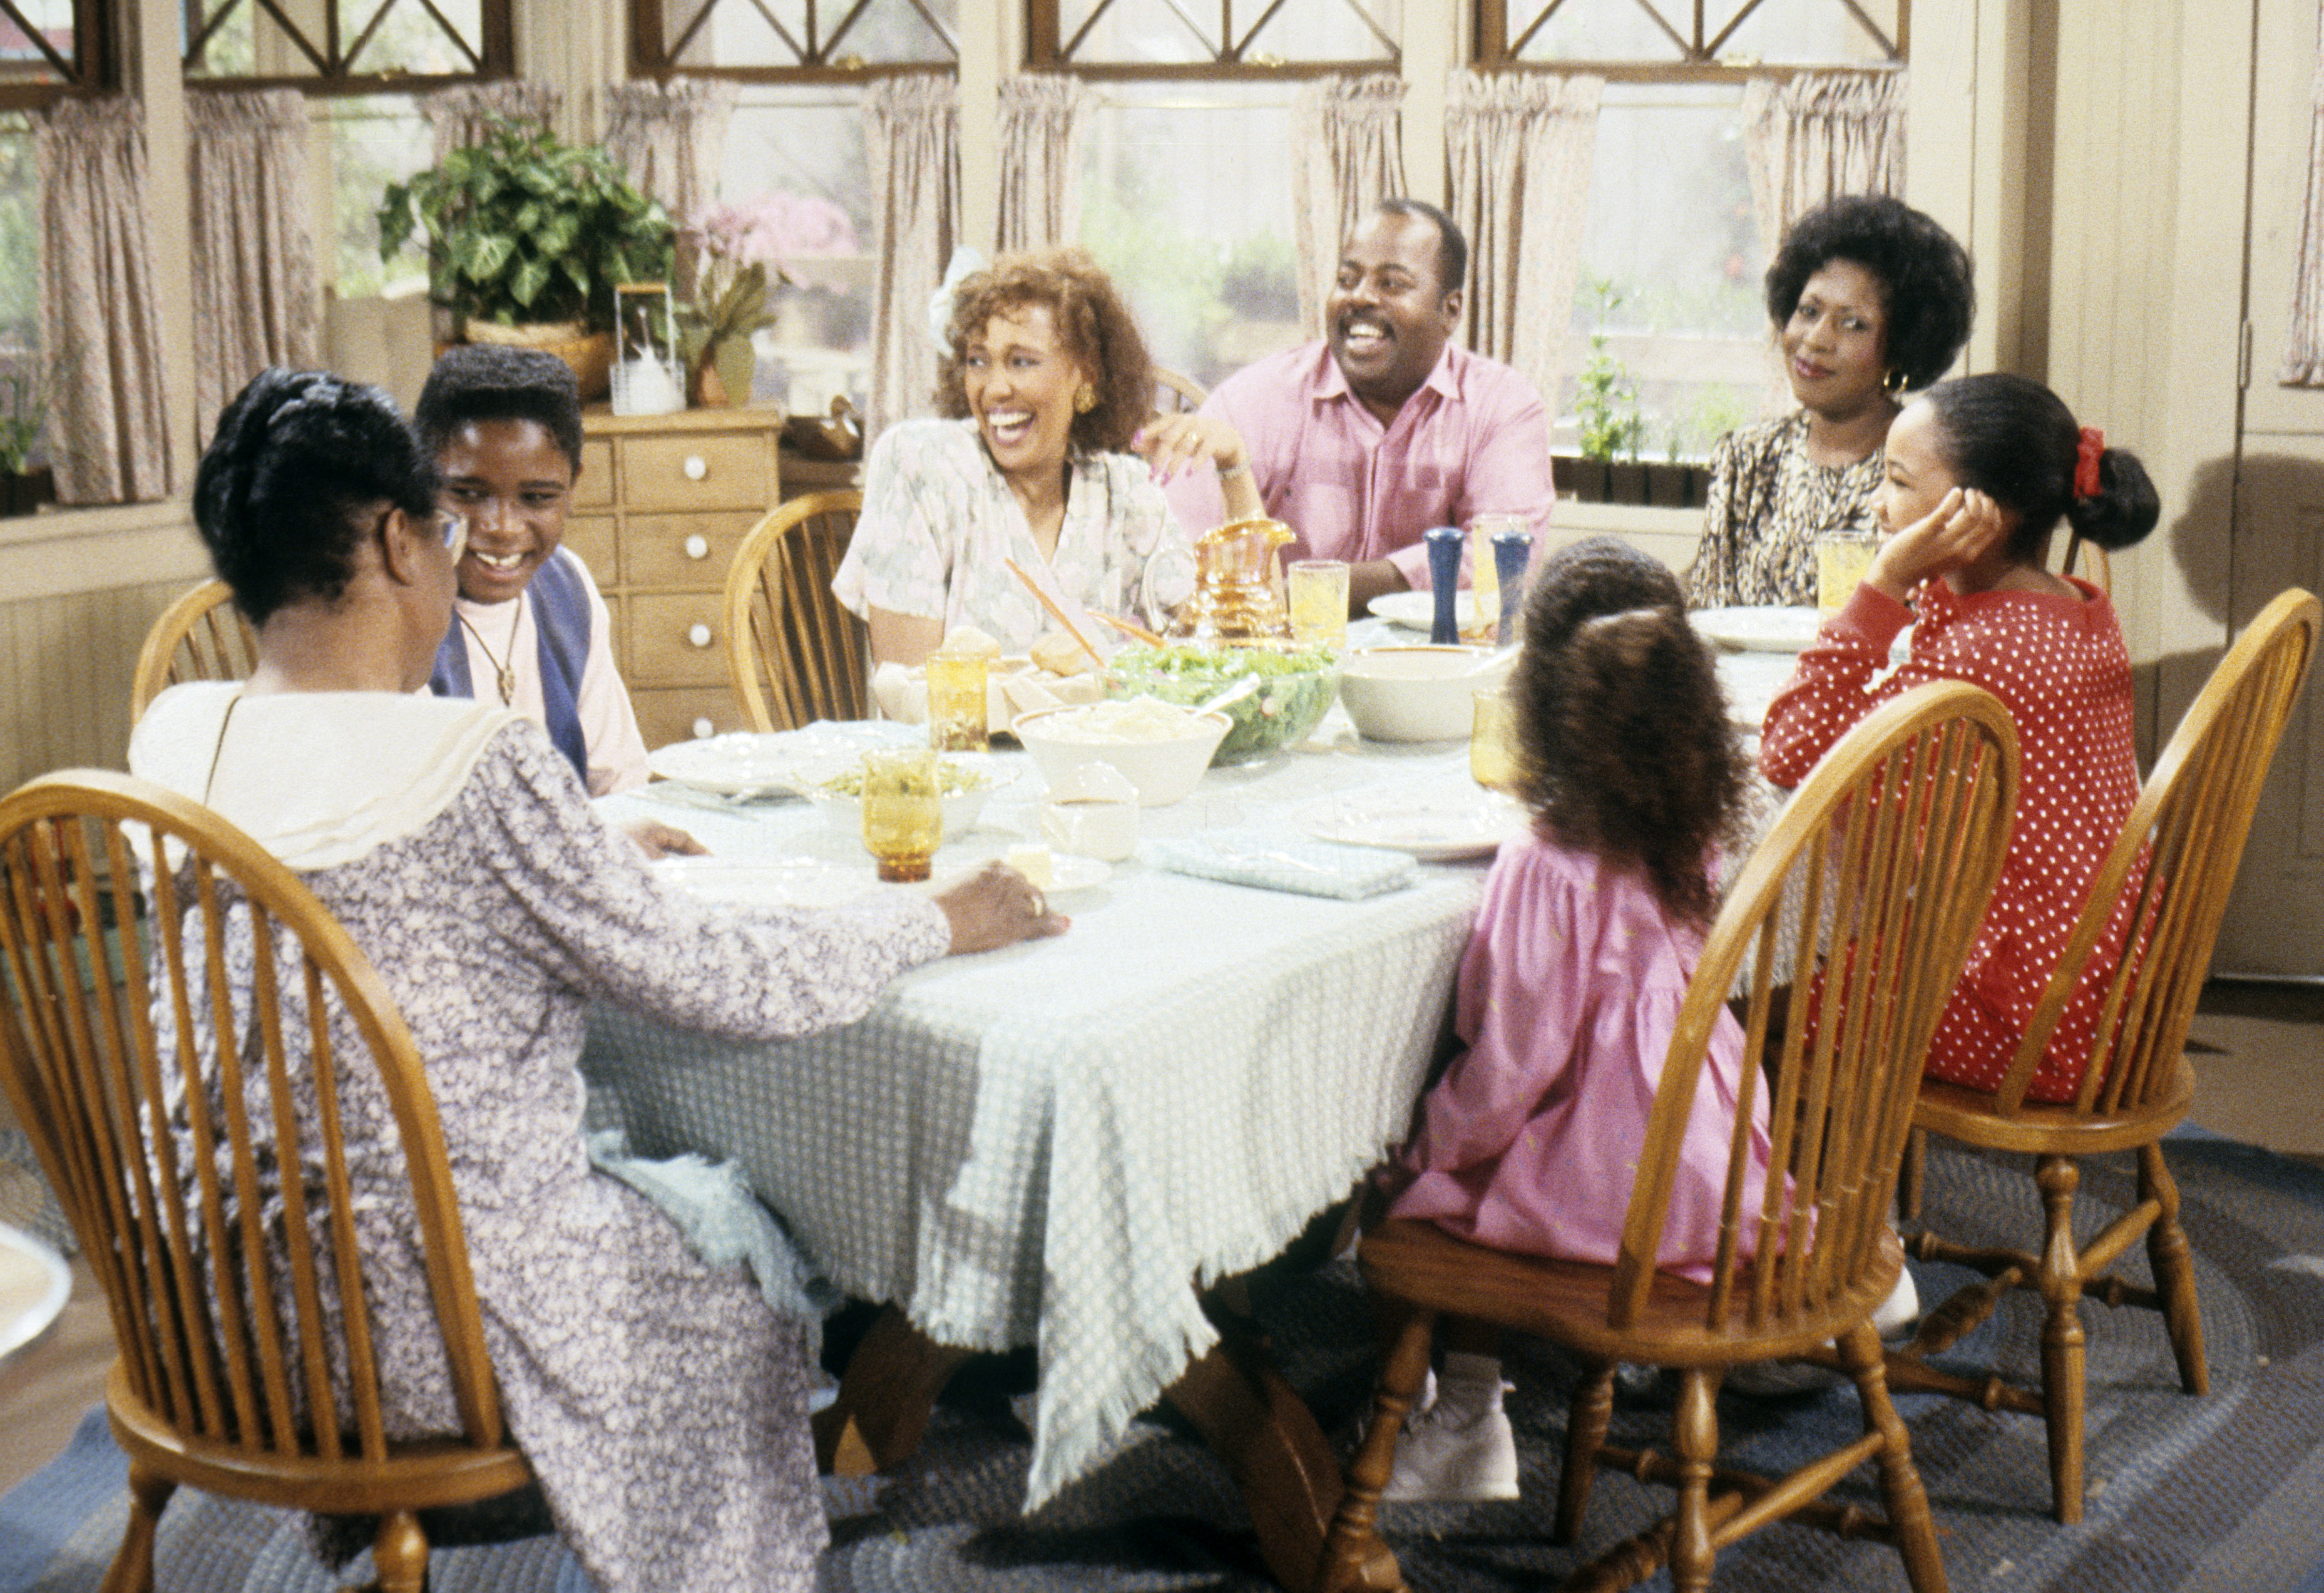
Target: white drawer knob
(704, 730)
(697, 467)
(697, 546)
(699, 634)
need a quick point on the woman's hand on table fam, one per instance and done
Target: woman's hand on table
(1963, 528)
(655, 839)
(995, 906)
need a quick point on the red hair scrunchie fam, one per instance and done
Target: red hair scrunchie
(2086, 462)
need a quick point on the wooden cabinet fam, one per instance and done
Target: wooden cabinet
(661, 503)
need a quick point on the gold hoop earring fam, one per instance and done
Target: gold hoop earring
(1085, 399)
(1893, 382)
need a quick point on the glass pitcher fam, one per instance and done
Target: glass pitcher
(1238, 591)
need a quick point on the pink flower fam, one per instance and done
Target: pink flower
(774, 229)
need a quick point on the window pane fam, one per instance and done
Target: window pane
(1323, 30)
(1140, 31)
(21, 61)
(1186, 202)
(1670, 268)
(20, 266)
(791, 32)
(1600, 30)
(1818, 33)
(795, 166)
(408, 39)
(373, 141)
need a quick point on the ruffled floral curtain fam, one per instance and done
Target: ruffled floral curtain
(254, 249)
(1350, 157)
(2304, 354)
(672, 138)
(1041, 121)
(911, 144)
(1815, 135)
(457, 116)
(1520, 145)
(109, 419)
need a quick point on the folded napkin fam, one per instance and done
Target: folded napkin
(1284, 859)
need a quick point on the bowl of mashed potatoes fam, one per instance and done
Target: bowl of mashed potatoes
(1161, 748)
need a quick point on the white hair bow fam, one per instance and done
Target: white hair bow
(965, 263)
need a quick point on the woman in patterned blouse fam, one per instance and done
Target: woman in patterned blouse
(1046, 388)
(1979, 473)
(1869, 298)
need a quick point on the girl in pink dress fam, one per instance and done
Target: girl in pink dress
(1572, 984)
(1979, 473)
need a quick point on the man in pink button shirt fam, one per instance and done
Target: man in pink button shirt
(1385, 427)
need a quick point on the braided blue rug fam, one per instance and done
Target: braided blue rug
(2195, 1496)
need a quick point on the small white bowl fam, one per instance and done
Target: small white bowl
(1162, 771)
(1417, 694)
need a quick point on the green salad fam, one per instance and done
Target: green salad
(1296, 690)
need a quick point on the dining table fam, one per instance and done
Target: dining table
(1070, 1143)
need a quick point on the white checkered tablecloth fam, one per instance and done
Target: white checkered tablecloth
(1058, 1143)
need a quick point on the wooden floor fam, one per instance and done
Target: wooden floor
(2260, 1072)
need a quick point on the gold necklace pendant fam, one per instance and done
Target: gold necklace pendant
(507, 683)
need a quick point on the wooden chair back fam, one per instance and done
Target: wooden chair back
(794, 654)
(1848, 928)
(2175, 861)
(170, 1048)
(2090, 562)
(1175, 394)
(201, 636)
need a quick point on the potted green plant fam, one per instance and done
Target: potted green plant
(23, 410)
(526, 232)
(730, 304)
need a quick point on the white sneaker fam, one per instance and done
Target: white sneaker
(1899, 1313)
(1460, 1448)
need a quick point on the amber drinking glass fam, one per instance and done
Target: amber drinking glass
(1843, 558)
(1319, 602)
(903, 812)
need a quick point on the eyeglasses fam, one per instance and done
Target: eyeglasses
(455, 531)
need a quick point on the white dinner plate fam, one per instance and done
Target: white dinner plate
(1415, 610)
(1069, 871)
(744, 763)
(1433, 824)
(802, 882)
(1762, 630)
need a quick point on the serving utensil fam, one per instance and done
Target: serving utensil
(1056, 612)
(1235, 693)
(1135, 632)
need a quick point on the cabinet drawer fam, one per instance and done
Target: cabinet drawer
(594, 487)
(683, 549)
(678, 713)
(674, 639)
(698, 470)
(592, 537)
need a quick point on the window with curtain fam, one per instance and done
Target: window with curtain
(1187, 178)
(48, 47)
(20, 279)
(362, 64)
(795, 183)
(1670, 303)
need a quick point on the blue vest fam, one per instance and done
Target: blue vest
(560, 617)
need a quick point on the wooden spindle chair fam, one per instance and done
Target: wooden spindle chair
(1175, 394)
(794, 654)
(2175, 861)
(1890, 849)
(247, 1344)
(2089, 561)
(201, 636)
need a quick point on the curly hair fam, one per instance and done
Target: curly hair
(490, 382)
(302, 467)
(1093, 324)
(2016, 441)
(1924, 271)
(1624, 745)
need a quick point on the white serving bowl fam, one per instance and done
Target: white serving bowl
(1163, 771)
(845, 813)
(1417, 694)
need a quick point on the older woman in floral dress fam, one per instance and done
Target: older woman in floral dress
(661, 1402)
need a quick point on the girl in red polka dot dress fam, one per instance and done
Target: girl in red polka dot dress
(1979, 473)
